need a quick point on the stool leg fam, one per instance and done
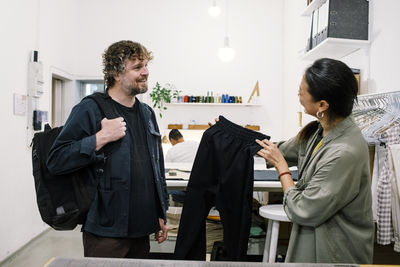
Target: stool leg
(267, 241)
(274, 241)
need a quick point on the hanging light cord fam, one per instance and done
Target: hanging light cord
(226, 18)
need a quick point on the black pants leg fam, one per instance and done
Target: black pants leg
(222, 175)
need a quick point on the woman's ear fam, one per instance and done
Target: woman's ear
(323, 106)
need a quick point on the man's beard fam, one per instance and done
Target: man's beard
(133, 90)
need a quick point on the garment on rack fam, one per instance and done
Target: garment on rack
(222, 176)
(394, 169)
(384, 208)
(379, 159)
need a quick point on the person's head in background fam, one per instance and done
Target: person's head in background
(327, 91)
(175, 137)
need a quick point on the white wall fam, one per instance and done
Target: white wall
(72, 35)
(19, 20)
(384, 51)
(185, 41)
(294, 41)
(16, 196)
(19, 217)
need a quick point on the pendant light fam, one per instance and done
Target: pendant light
(226, 53)
(214, 10)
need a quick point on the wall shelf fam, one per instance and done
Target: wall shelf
(214, 104)
(315, 4)
(335, 48)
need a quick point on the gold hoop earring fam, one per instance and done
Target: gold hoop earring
(320, 115)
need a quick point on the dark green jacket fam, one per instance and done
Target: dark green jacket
(330, 206)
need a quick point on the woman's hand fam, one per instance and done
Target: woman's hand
(273, 155)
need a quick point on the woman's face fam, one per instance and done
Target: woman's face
(306, 100)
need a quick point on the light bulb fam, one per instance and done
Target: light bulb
(214, 10)
(226, 53)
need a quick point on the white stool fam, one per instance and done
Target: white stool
(274, 214)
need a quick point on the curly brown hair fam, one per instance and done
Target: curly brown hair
(116, 54)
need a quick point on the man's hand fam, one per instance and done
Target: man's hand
(111, 130)
(163, 233)
(211, 124)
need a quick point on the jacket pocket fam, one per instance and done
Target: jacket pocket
(105, 207)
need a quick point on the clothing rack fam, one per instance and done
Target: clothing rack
(375, 113)
(378, 116)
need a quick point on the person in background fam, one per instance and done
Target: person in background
(124, 213)
(181, 150)
(330, 206)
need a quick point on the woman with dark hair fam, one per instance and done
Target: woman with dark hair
(330, 206)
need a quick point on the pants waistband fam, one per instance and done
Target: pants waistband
(239, 131)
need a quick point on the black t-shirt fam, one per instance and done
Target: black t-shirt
(144, 204)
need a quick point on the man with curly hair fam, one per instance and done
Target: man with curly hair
(133, 204)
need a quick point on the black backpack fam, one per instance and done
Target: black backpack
(64, 200)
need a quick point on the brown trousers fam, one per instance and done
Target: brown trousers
(108, 247)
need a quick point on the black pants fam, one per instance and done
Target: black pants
(108, 247)
(222, 176)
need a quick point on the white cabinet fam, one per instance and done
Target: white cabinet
(339, 28)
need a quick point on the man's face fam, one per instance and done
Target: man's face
(134, 78)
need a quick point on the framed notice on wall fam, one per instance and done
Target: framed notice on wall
(20, 102)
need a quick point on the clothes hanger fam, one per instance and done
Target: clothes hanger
(390, 117)
(377, 113)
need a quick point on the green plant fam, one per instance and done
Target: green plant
(161, 95)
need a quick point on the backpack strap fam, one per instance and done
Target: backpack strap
(103, 101)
